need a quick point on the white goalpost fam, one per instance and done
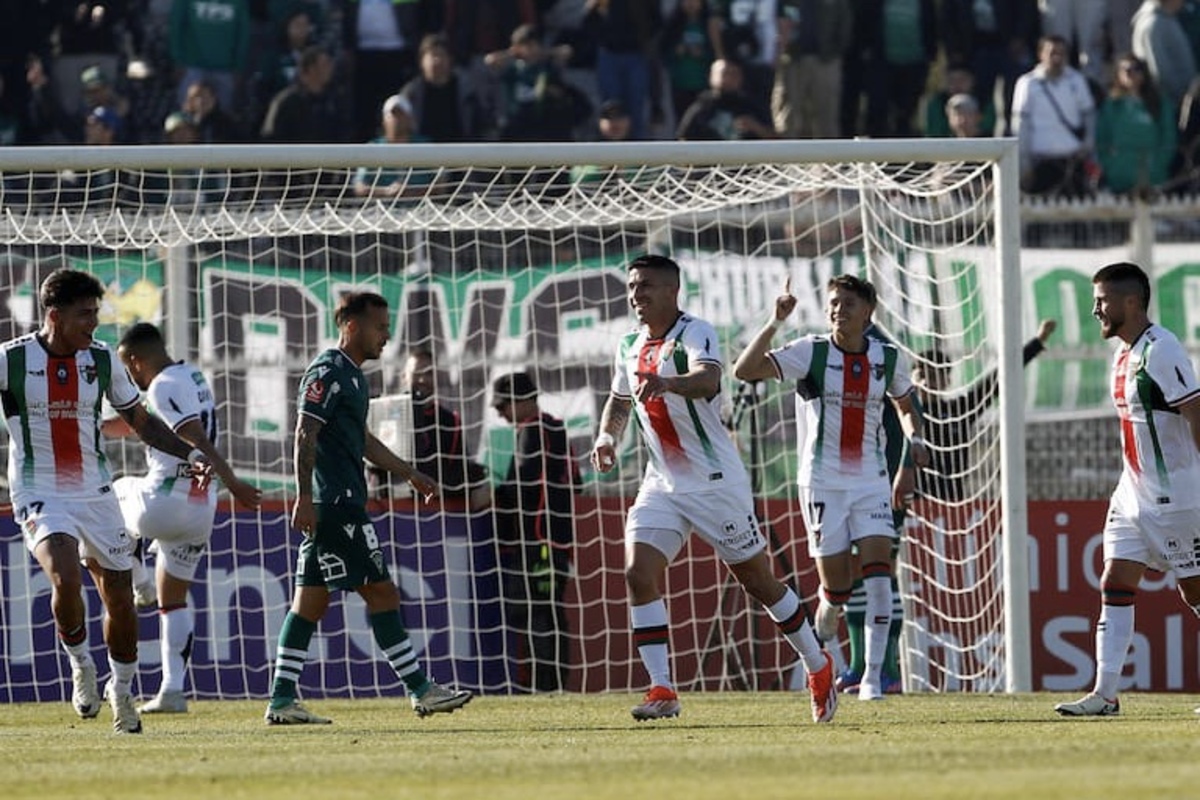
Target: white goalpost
(501, 257)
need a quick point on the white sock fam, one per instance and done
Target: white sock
(122, 674)
(176, 645)
(793, 622)
(878, 589)
(1114, 632)
(78, 654)
(650, 620)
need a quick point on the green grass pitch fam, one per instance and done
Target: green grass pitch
(725, 745)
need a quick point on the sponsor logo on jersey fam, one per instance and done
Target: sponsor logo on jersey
(88, 371)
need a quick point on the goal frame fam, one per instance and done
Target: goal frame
(1001, 152)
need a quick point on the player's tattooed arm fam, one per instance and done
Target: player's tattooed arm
(613, 420)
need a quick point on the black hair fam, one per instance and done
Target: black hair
(354, 305)
(143, 337)
(66, 286)
(652, 261)
(855, 284)
(1126, 277)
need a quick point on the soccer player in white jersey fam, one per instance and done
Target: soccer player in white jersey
(52, 384)
(1154, 514)
(168, 505)
(843, 380)
(668, 372)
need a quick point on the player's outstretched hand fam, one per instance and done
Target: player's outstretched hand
(426, 486)
(246, 494)
(202, 472)
(1046, 329)
(604, 456)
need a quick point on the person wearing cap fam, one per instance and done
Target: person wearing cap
(964, 117)
(98, 92)
(399, 127)
(534, 513)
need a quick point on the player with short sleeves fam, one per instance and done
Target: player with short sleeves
(341, 548)
(52, 386)
(171, 506)
(1154, 514)
(842, 381)
(668, 373)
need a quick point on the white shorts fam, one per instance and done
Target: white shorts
(724, 519)
(1168, 541)
(179, 526)
(836, 519)
(94, 522)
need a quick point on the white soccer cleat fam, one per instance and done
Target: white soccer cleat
(826, 621)
(85, 698)
(1093, 705)
(293, 714)
(125, 715)
(439, 700)
(659, 703)
(165, 702)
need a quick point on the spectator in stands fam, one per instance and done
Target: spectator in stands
(211, 42)
(724, 111)
(625, 32)
(443, 100)
(1120, 24)
(853, 65)
(379, 44)
(213, 124)
(1080, 25)
(11, 120)
(1161, 42)
(1054, 120)
(964, 117)
(98, 91)
(950, 418)
(996, 40)
(959, 80)
(46, 121)
(1135, 131)
(178, 128)
(475, 28)
(687, 52)
(540, 105)
(808, 72)
(536, 529)
(612, 125)
(294, 33)
(902, 41)
(307, 111)
(745, 31)
(399, 127)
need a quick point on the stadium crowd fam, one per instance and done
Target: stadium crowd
(1101, 93)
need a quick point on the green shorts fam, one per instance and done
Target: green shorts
(344, 553)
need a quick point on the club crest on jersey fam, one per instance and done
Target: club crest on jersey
(62, 375)
(315, 392)
(856, 368)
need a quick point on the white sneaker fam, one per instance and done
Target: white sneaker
(125, 716)
(293, 714)
(165, 702)
(870, 690)
(1093, 705)
(826, 622)
(84, 696)
(440, 700)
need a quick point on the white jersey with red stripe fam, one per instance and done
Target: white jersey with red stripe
(52, 406)
(179, 393)
(690, 450)
(1151, 378)
(840, 399)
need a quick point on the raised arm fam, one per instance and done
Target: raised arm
(754, 364)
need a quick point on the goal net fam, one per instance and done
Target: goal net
(508, 258)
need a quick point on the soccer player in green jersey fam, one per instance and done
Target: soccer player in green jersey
(331, 442)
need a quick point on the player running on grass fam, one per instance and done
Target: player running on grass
(843, 380)
(668, 372)
(340, 548)
(1154, 515)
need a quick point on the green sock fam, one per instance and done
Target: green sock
(397, 647)
(291, 652)
(856, 620)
